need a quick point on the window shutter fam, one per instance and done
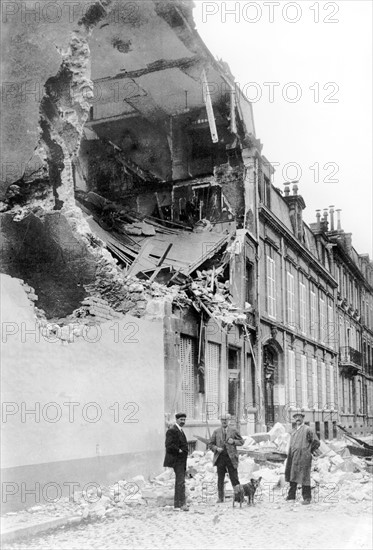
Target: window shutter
(321, 317)
(271, 287)
(292, 391)
(291, 298)
(323, 385)
(304, 381)
(331, 327)
(331, 371)
(188, 369)
(313, 315)
(315, 400)
(212, 380)
(302, 300)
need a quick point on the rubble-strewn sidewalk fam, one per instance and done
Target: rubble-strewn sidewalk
(338, 480)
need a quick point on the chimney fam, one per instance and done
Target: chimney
(296, 206)
(318, 217)
(348, 242)
(339, 228)
(324, 221)
(331, 212)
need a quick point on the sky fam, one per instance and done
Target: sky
(307, 68)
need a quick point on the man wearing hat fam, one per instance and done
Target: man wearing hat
(223, 442)
(176, 458)
(303, 443)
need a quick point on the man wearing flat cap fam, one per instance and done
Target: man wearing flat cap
(176, 458)
(223, 442)
(303, 443)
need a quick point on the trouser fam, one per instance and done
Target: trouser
(306, 491)
(224, 464)
(179, 498)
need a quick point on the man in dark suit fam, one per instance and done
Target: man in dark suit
(176, 458)
(303, 443)
(223, 442)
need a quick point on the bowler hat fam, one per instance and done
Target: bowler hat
(298, 414)
(180, 415)
(225, 417)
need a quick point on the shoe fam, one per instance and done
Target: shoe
(219, 501)
(290, 498)
(305, 502)
(185, 508)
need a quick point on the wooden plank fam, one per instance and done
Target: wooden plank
(159, 265)
(159, 206)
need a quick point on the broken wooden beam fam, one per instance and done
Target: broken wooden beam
(159, 265)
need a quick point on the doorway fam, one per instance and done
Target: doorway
(270, 366)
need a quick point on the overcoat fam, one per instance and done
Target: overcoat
(218, 440)
(298, 464)
(175, 441)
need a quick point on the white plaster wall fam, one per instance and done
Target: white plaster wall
(104, 372)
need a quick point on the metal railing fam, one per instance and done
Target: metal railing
(350, 355)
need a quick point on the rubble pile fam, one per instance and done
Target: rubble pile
(336, 478)
(93, 310)
(335, 468)
(126, 294)
(159, 490)
(212, 292)
(137, 298)
(277, 439)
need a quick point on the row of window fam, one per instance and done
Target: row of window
(320, 377)
(308, 396)
(368, 314)
(351, 293)
(312, 313)
(347, 287)
(363, 388)
(191, 389)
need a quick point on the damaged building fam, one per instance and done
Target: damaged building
(138, 206)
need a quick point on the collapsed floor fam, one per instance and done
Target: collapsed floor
(121, 244)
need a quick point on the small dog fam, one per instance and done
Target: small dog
(239, 495)
(247, 490)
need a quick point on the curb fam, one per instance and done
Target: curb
(11, 535)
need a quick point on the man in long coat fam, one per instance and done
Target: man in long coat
(223, 442)
(303, 443)
(176, 458)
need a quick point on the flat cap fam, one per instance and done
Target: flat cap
(225, 416)
(180, 415)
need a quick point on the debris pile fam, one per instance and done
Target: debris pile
(211, 292)
(127, 294)
(276, 440)
(336, 478)
(336, 468)
(136, 297)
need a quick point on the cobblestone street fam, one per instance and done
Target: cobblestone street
(277, 524)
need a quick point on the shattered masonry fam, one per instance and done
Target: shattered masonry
(144, 193)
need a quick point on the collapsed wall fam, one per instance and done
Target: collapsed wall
(79, 409)
(46, 239)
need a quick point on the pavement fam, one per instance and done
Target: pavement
(271, 523)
